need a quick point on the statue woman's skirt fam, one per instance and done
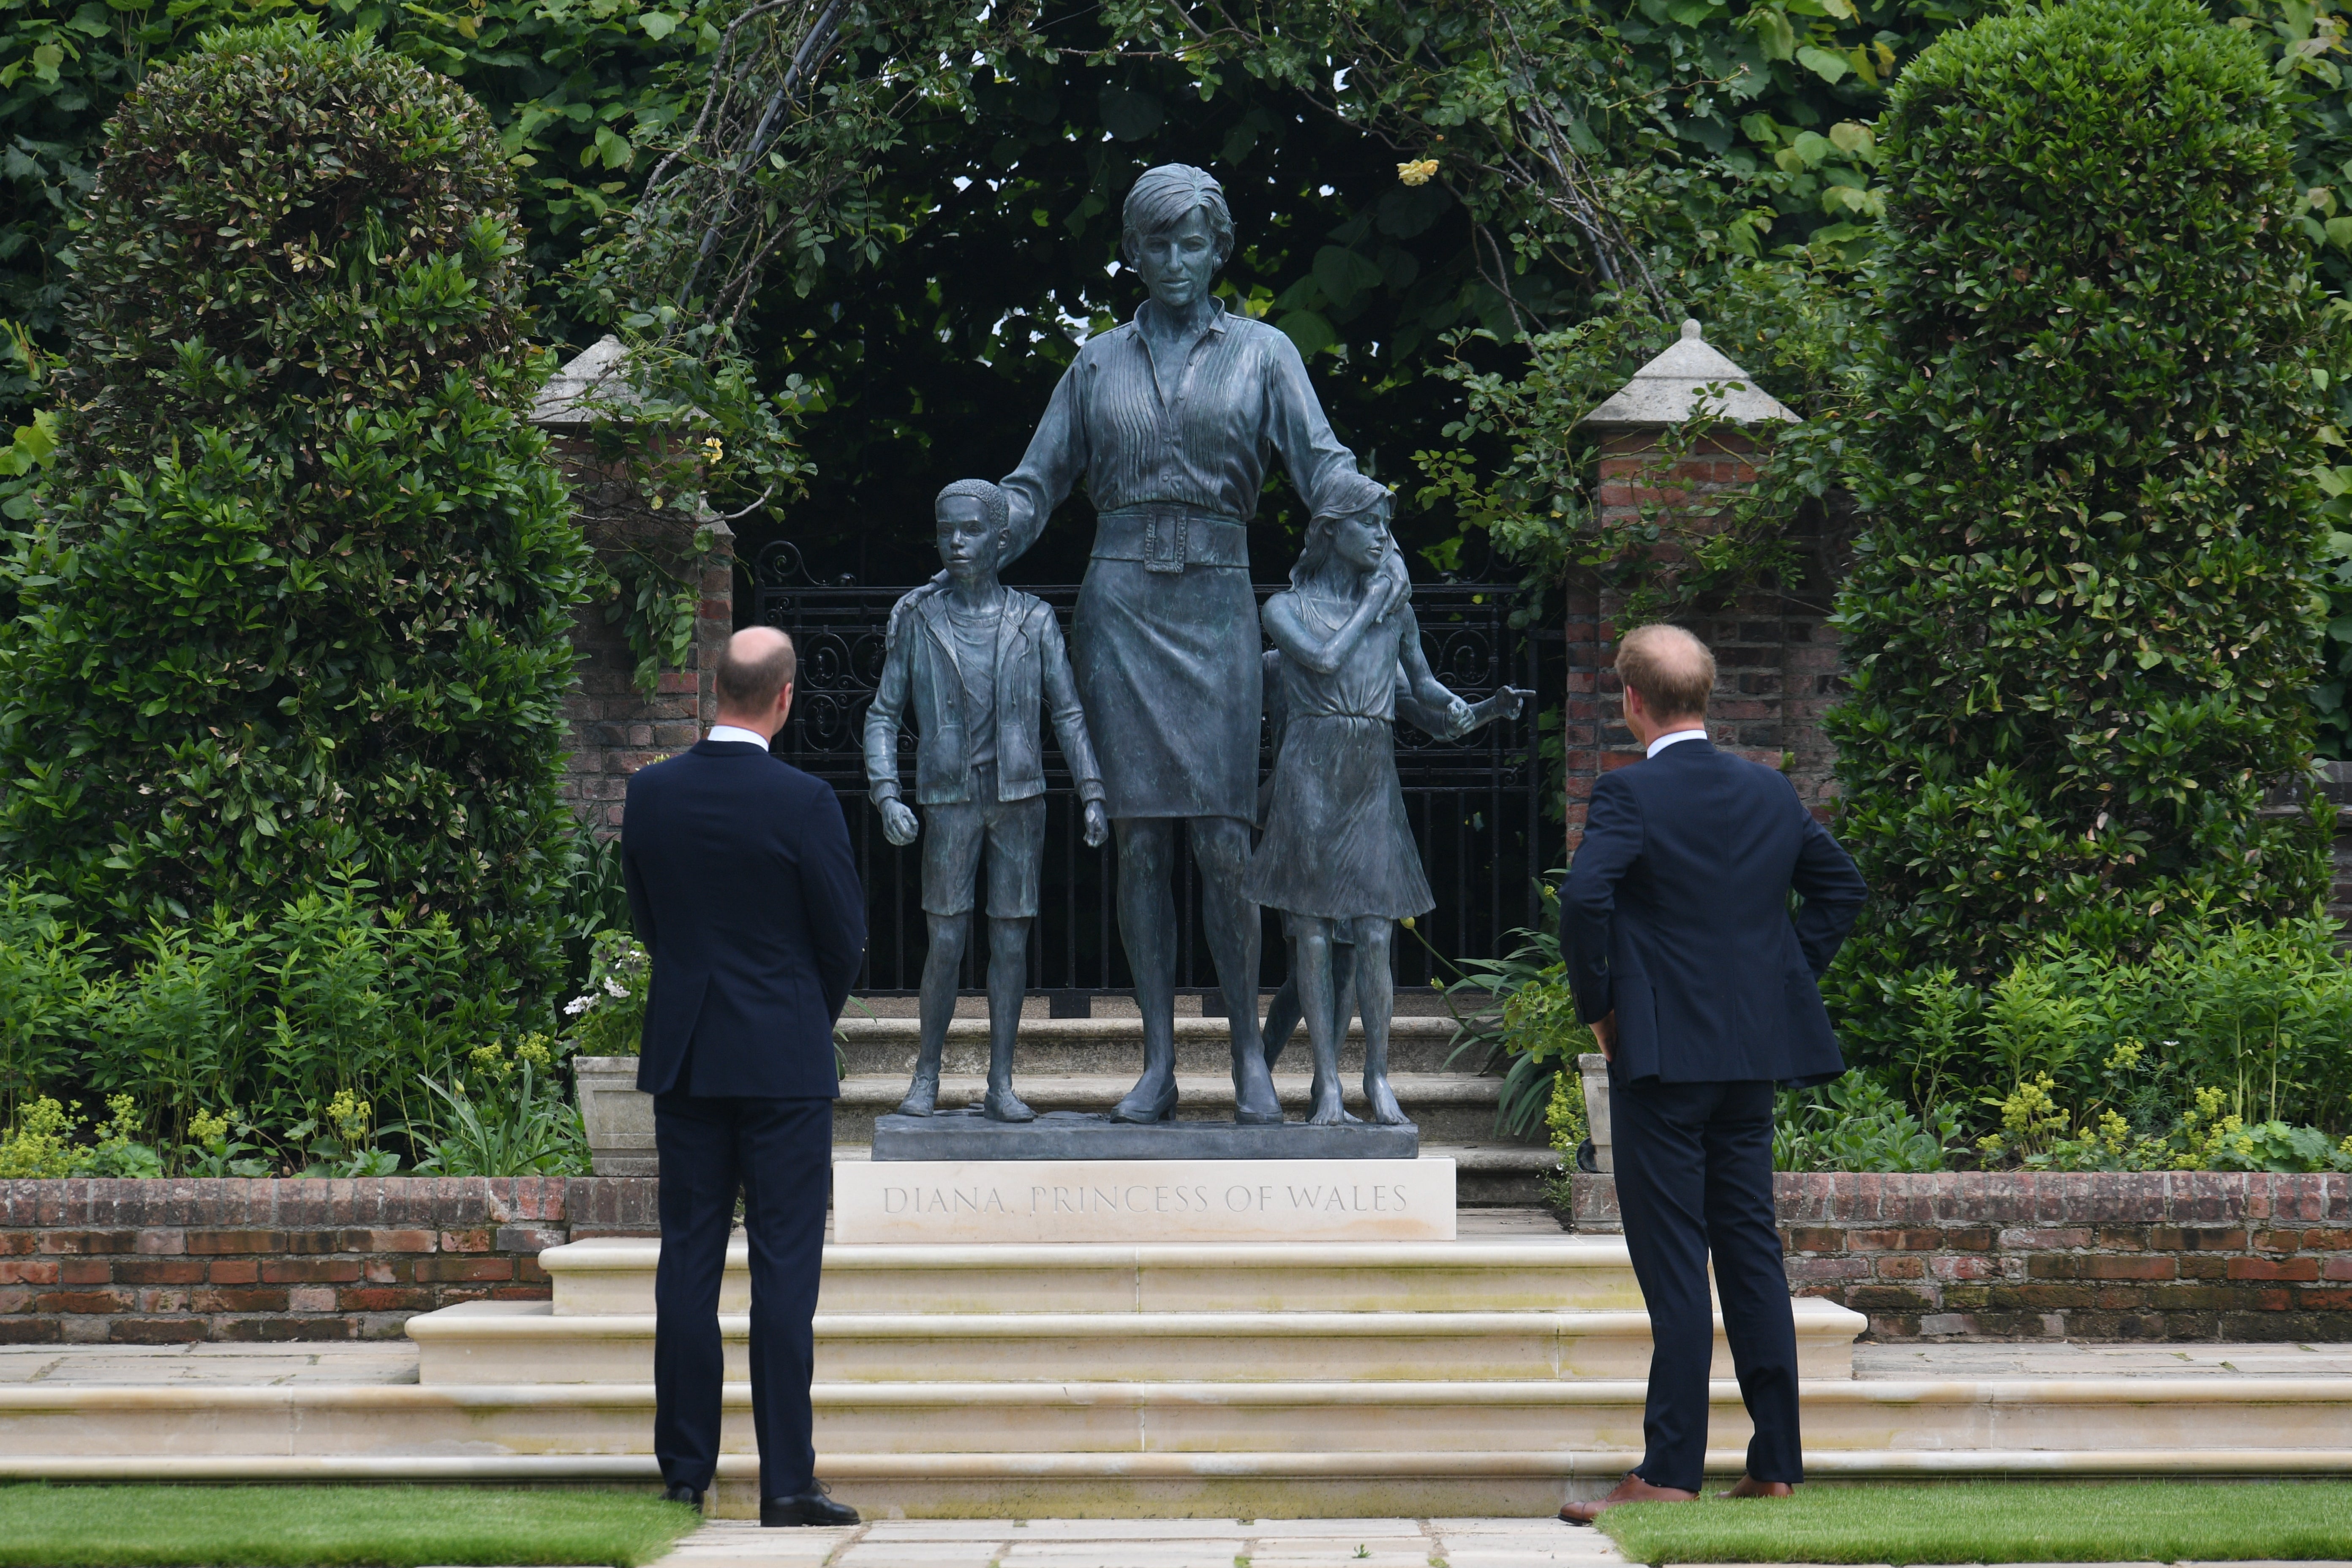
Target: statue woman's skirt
(1167, 666)
(1338, 844)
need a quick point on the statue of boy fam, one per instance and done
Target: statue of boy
(975, 659)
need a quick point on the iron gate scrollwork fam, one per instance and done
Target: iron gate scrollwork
(1476, 804)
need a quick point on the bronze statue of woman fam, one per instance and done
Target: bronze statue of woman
(1169, 421)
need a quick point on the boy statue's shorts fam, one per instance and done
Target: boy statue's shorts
(1015, 834)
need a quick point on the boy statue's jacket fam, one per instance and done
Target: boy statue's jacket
(922, 666)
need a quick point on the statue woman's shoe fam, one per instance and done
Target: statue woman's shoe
(1005, 1106)
(1151, 1099)
(922, 1098)
(1256, 1104)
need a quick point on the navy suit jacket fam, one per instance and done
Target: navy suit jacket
(743, 888)
(1675, 917)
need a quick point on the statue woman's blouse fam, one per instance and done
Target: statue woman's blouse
(1194, 433)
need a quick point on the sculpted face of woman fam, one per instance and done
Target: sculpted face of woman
(1178, 264)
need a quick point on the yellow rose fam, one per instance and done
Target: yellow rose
(1418, 173)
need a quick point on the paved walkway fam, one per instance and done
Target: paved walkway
(1190, 1544)
(1154, 1544)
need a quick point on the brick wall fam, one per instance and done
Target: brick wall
(170, 1262)
(1776, 659)
(616, 729)
(2211, 1255)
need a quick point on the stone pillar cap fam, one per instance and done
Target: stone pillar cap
(1675, 387)
(593, 384)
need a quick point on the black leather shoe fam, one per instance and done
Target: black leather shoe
(810, 1507)
(686, 1495)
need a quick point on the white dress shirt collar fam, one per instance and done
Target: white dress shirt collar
(736, 732)
(1660, 744)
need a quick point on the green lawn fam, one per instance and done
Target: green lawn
(329, 1527)
(2168, 1522)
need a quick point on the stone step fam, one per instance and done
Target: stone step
(506, 1343)
(1110, 1046)
(1294, 1449)
(1447, 1108)
(1553, 1274)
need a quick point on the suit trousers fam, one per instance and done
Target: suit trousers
(779, 1154)
(1694, 1177)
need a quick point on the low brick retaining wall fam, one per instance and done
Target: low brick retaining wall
(2009, 1255)
(2158, 1257)
(172, 1262)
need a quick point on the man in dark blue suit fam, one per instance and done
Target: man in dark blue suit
(743, 888)
(1704, 992)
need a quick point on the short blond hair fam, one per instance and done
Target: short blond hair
(1671, 668)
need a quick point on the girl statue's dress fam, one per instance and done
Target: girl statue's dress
(1338, 845)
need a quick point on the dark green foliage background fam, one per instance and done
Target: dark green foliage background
(300, 610)
(2083, 618)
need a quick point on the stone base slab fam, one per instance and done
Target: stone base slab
(967, 1134)
(1280, 1200)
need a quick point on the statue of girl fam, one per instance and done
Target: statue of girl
(1337, 858)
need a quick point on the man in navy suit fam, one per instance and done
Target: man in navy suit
(743, 888)
(1704, 992)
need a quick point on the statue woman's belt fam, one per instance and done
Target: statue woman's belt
(1171, 538)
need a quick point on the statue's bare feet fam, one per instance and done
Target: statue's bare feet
(1256, 1104)
(1330, 1109)
(1380, 1103)
(1153, 1097)
(922, 1097)
(1003, 1105)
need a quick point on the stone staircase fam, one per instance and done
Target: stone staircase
(1085, 1064)
(1485, 1376)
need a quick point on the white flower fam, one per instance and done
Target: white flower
(578, 1005)
(613, 987)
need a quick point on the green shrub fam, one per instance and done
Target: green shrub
(1856, 1123)
(263, 1039)
(505, 1116)
(299, 609)
(40, 1143)
(2083, 615)
(2259, 1016)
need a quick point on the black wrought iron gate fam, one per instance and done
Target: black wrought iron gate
(1476, 804)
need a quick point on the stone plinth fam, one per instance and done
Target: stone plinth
(957, 1135)
(1142, 1201)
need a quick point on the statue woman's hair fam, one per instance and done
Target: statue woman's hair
(1165, 197)
(1351, 495)
(993, 504)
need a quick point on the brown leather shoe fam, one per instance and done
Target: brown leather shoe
(1748, 1486)
(1632, 1488)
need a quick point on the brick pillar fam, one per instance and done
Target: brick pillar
(615, 728)
(1776, 658)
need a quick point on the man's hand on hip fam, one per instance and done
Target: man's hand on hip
(1606, 1032)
